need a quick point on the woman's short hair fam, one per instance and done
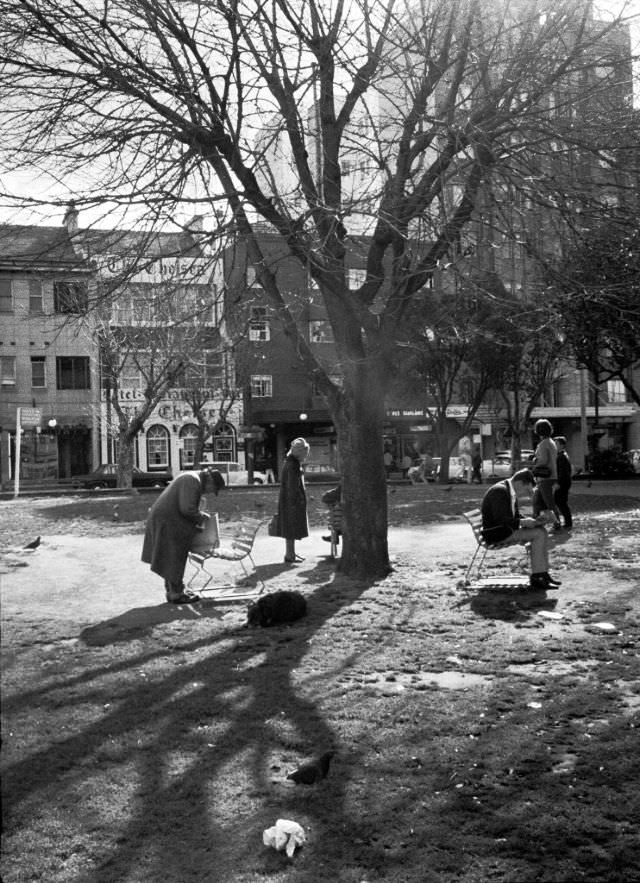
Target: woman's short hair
(543, 428)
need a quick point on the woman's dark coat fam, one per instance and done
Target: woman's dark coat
(292, 502)
(171, 526)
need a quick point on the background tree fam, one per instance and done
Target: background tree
(599, 295)
(373, 117)
(531, 352)
(454, 353)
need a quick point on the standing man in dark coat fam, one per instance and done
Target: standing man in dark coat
(172, 524)
(292, 503)
(502, 522)
(561, 493)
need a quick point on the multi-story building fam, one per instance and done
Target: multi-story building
(65, 292)
(47, 362)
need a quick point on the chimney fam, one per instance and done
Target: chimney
(71, 218)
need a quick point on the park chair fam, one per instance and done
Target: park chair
(215, 545)
(474, 518)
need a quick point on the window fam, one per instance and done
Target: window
(157, 448)
(38, 373)
(70, 296)
(8, 370)
(616, 392)
(224, 443)
(259, 325)
(320, 331)
(6, 296)
(188, 437)
(72, 372)
(356, 277)
(130, 376)
(35, 296)
(261, 386)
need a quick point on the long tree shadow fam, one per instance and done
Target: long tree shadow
(216, 725)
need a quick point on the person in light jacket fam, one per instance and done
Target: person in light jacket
(545, 461)
(172, 524)
(291, 521)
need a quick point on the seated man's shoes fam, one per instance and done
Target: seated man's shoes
(538, 583)
(543, 581)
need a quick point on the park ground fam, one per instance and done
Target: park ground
(479, 735)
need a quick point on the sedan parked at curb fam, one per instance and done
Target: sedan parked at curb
(500, 466)
(233, 473)
(106, 476)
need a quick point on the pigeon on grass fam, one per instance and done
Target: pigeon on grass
(33, 544)
(313, 770)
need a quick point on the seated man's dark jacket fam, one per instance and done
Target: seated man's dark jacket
(498, 521)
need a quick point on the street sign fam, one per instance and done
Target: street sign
(30, 417)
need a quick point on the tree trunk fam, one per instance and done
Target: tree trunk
(125, 460)
(359, 425)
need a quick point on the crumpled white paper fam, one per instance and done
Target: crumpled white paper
(286, 835)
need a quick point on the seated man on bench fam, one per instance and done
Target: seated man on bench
(502, 523)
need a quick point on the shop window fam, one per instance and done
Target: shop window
(38, 372)
(157, 448)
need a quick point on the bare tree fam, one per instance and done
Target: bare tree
(383, 118)
(454, 354)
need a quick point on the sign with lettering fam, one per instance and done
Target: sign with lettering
(30, 417)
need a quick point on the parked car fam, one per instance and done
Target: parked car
(500, 465)
(634, 459)
(457, 469)
(106, 475)
(320, 472)
(233, 473)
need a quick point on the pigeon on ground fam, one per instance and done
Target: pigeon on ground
(33, 544)
(312, 771)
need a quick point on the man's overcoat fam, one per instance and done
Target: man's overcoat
(171, 526)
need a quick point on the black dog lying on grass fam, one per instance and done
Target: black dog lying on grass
(276, 608)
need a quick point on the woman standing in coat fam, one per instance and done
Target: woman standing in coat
(292, 502)
(172, 524)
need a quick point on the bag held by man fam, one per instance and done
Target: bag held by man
(272, 527)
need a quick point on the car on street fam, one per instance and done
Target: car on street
(634, 459)
(499, 466)
(106, 476)
(233, 473)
